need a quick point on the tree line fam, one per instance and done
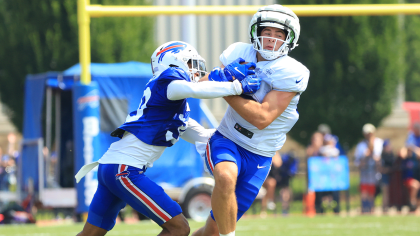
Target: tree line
(40, 36)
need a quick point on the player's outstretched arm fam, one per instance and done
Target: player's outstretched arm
(261, 114)
(181, 89)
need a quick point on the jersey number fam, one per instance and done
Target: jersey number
(144, 100)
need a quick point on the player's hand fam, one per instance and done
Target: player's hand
(250, 84)
(238, 70)
(234, 70)
(217, 75)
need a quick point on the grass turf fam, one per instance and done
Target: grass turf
(284, 226)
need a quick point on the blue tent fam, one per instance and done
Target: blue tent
(120, 88)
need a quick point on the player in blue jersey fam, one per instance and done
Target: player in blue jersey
(160, 120)
(239, 153)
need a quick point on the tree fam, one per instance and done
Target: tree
(355, 64)
(40, 36)
(412, 80)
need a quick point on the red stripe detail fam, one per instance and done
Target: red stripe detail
(166, 49)
(151, 205)
(208, 156)
(122, 168)
(121, 174)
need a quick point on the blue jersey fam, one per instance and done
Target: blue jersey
(410, 167)
(159, 121)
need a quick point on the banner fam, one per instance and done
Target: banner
(86, 140)
(328, 173)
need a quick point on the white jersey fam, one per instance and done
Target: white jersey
(283, 74)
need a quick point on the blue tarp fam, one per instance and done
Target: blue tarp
(123, 69)
(117, 81)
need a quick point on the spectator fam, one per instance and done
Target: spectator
(316, 144)
(398, 193)
(410, 165)
(288, 169)
(387, 162)
(8, 168)
(328, 198)
(325, 129)
(11, 138)
(283, 168)
(329, 148)
(413, 144)
(270, 185)
(413, 139)
(3, 174)
(367, 156)
(12, 151)
(7, 173)
(312, 150)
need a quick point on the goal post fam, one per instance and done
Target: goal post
(87, 11)
(300, 10)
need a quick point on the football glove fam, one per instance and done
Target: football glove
(218, 75)
(240, 71)
(250, 84)
(233, 69)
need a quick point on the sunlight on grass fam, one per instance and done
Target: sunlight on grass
(292, 225)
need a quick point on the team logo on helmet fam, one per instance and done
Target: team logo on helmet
(173, 47)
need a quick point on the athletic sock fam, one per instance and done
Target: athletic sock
(229, 234)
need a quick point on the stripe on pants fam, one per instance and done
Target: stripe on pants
(208, 157)
(144, 198)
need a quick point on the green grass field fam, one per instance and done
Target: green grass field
(284, 226)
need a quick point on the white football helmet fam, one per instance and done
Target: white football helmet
(178, 54)
(276, 16)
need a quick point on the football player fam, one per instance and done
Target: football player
(160, 120)
(254, 127)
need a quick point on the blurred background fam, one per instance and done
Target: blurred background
(354, 150)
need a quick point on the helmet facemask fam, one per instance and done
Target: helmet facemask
(197, 66)
(257, 40)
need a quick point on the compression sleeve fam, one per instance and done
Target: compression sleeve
(196, 133)
(181, 89)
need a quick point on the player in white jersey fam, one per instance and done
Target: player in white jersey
(161, 119)
(254, 127)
